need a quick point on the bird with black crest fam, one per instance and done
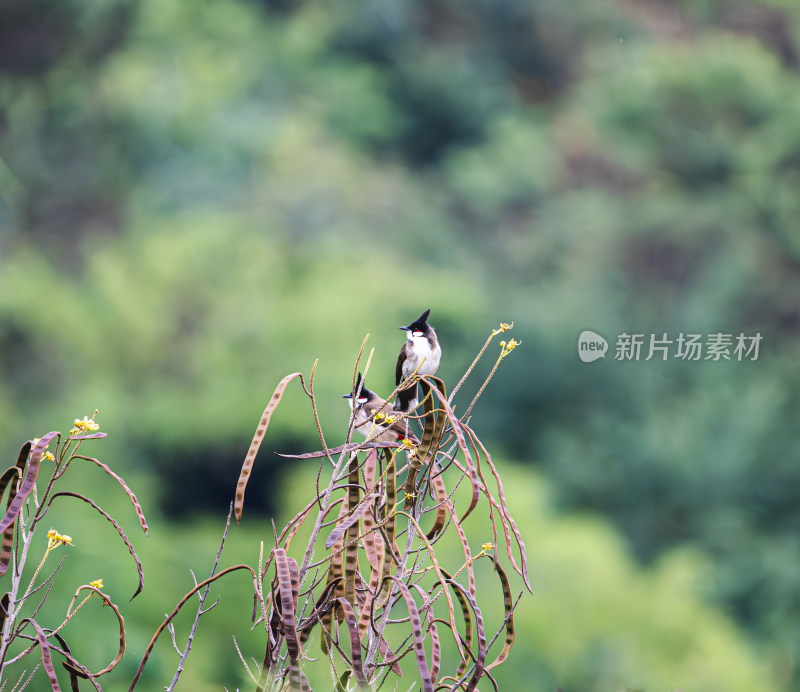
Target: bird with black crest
(420, 354)
(375, 418)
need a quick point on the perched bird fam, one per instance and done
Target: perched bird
(373, 416)
(421, 354)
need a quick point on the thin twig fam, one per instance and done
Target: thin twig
(33, 672)
(244, 663)
(171, 630)
(494, 333)
(200, 607)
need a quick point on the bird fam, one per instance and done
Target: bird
(421, 353)
(373, 417)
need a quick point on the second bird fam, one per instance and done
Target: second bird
(365, 408)
(421, 353)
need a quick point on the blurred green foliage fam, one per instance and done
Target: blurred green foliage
(198, 199)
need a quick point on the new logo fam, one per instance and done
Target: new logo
(591, 346)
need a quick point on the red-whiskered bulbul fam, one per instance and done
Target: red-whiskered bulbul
(421, 354)
(377, 429)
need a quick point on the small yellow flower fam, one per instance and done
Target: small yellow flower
(55, 539)
(390, 419)
(408, 444)
(379, 415)
(97, 583)
(410, 496)
(504, 327)
(49, 456)
(86, 425)
(508, 347)
(487, 546)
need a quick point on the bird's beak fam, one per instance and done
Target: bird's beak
(404, 328)
(347, 396)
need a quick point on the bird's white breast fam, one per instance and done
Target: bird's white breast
(421, 351)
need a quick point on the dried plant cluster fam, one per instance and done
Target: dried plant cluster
(26, 640)
(369, 583)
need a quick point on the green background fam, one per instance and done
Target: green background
(199, 198)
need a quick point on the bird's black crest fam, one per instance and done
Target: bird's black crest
(364, 390)
(420, 323)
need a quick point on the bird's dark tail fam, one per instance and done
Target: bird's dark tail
(407, 398)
